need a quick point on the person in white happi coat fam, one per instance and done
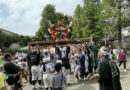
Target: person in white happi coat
(86, 66)
(47, 72)
(76, 66)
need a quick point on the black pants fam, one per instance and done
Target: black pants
(77, 77)
(91, 69)
(34, 82)
(90, 66)
(30, 77)
(124, 62)
(82, 78)
(48, 88)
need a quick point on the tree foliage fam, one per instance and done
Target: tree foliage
(23, 40)
(86, 20)
(7, 39)
(49, 13)
(77, 22)
(97, 18)
(115, 16)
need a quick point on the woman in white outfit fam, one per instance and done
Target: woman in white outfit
(47, 72)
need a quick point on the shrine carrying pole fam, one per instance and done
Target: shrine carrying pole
(53, 43)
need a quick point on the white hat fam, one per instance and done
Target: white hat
(46, 59)
(106, 53)
(63, 49)
(20, 58)
(45, 50)
(59, 61)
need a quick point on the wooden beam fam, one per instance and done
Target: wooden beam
(44, 44)
(54, 42)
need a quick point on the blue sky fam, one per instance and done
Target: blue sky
(23, 16)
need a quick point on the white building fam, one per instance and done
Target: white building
(126, 31)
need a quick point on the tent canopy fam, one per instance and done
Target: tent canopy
(24, 48)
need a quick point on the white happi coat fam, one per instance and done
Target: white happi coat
(47, 76)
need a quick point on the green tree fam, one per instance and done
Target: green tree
(77, 22)
(48, 13)
(114, 16)
(7, 39)
(2, 39)
(126, 14)
(91, 19)
(23, 40)
(60, 16)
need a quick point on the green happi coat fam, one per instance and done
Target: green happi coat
(10, 67)
(106, 81)
(94, 55)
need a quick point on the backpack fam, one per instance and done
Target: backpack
(114, 69)
(115, 76)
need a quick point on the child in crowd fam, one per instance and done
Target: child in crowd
(59, 78)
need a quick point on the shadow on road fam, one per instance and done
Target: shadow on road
(123, 73)
(128, 69)
(83, 87)
(91, 81)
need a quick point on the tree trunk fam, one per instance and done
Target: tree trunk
(119, 26)
(119, 36)
(105, 39)
(77, 27)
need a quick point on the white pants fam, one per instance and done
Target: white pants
(76, 70)
(129, 64)
(86, 66)
(36, 73)
(47, 78)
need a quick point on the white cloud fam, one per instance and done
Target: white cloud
(24, 16)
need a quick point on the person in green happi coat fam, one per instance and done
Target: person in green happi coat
(94, 55)
(10, 70)
(108, 75)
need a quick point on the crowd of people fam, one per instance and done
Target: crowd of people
(54, 65)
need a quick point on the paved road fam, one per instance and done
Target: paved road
(93, 85)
